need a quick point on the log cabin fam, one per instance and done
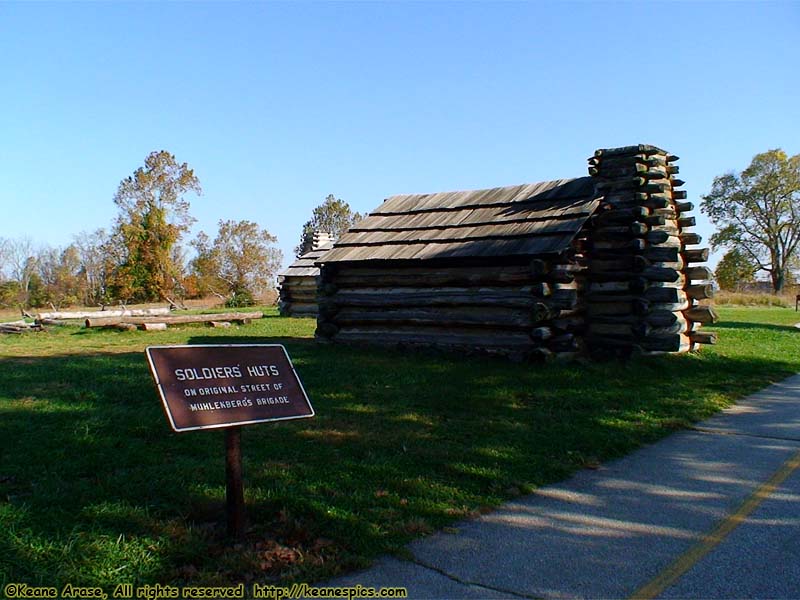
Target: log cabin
(297, 285)
(600, 265)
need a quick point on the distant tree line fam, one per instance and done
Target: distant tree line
(142, 256)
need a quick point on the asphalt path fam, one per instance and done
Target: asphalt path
(712, 512)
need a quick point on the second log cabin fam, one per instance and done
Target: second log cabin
(297, 285)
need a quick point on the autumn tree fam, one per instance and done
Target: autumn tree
(757, 212)
(203, 268)
(9, 292)
(239, 264)
(153, 216)
(333, 216)
(734, 270)
(59, 280)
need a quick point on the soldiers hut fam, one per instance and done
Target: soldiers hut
(297, 294)
(598, 264)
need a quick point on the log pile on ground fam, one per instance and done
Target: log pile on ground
(20, 326)
(645, 282)
(157, 323)
(91, 314)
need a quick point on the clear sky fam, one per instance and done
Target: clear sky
(276, 105)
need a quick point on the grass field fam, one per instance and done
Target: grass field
(95, 489)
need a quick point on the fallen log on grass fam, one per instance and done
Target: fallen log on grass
(56, 322)
(19, 327)
(236, 317)
(9, 330)
(105, 314)
(20, 323)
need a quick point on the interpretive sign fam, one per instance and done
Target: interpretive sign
(204, 387)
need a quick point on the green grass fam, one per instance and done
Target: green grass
(95, 489)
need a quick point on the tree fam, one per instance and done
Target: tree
(333, 216)
(240, 264)
(153, 217)
(204, 268)
(59, 280)
(22, 265)
(4, 251)
(734, 270)
(9, 289)
(96, 266)
(9, 293)
(758, 212)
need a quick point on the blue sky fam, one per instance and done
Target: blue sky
(276, 105)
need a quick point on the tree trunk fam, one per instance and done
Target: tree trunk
(778, 280)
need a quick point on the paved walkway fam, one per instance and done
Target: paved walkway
(712, 512)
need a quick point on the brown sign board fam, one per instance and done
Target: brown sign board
(205, 387)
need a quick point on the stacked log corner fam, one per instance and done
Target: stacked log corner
(645, 277)
(521, 307)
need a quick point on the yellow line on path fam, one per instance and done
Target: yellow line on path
(656, 586)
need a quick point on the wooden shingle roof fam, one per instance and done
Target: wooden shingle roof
(536, 218)
(304, 266)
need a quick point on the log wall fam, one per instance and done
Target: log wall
(297, 285)
(298, 296)
(521, 307)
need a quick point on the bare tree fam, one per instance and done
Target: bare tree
(22, 263)
(3, 258)
(95, 264)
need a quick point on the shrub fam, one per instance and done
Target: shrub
(755, 299)
(241, 297)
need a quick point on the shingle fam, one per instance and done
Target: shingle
(536, 218)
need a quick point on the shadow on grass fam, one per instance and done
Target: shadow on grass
(94, 485)
(746, 325)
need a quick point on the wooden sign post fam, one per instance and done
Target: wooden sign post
(228, 386)
(234, 486)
